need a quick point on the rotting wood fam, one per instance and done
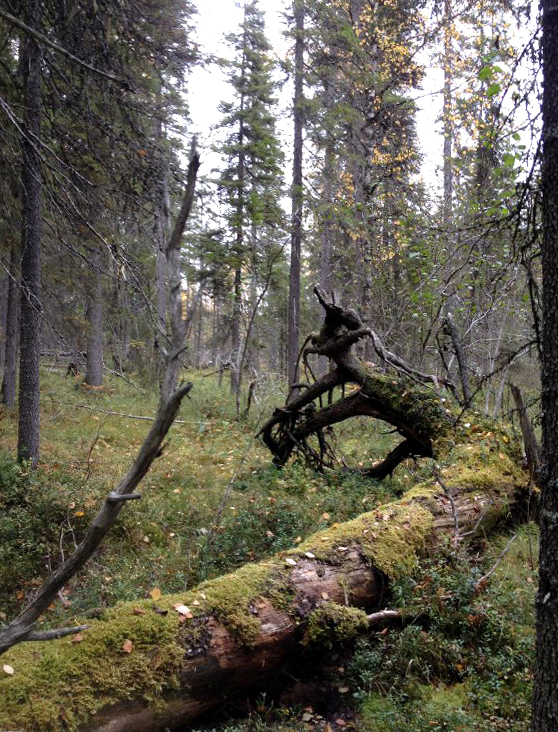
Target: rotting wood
(240, 628)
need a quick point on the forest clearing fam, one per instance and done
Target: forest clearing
(279, 359)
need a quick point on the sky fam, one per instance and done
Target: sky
(208, 86)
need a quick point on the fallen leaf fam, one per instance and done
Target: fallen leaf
(146, 540)
(78, 637)
(325, 516)
(196, 603)
(309, 555)
(138, 611)
(343, 689)
(340, 722)
(183, 610)
(155, 594)
(127, 646)
(307, 717)
(290, 561)
(325, 596)
(7, 669)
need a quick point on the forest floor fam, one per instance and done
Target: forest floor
(212, 502)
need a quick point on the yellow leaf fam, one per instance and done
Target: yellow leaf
(127, 646)
(155, 594)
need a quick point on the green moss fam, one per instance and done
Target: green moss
(389, 537)
(420, 407)
(442, 700)
(332, 623)
(229, 597)
(60, 685)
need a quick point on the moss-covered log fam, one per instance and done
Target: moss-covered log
(149, 666)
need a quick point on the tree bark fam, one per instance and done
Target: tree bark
(532, 449)
(31, 308)
(234, 632)
(545, 699)
(8, 391)
(297, 198)
(94, 316)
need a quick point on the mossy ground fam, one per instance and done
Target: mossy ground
(211, 503)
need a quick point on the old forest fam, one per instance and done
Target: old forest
(277, 283)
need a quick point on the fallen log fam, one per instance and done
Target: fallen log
(151, 666)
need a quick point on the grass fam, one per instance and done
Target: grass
(210, 503)
(213, 502)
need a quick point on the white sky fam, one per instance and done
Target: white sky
(207, 87)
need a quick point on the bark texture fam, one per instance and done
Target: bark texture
(8, 392)
(29, 379)
(94, 315)
(293, 310)
(193, 650)
(545, 700)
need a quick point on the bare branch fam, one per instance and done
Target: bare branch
(55, 47)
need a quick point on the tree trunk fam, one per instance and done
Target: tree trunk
(94, 316)
(545, 699)
(31, 308)
(9, 377)
(192, 651)
(532, 450)
(293, 311)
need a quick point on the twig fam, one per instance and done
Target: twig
(444, 487)
(116, 414)
(484, 579)
(383, 615)
(46, 635)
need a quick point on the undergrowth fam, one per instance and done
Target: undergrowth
(210, 503)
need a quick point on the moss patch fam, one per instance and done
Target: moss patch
(389, 537)
(59, 685)
(332, 623)
(420, 407)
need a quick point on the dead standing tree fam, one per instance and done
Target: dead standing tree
(417, 414)
(23, 627)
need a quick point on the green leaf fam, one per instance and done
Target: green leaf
(509, 160)
(485, 73)
(493, 89)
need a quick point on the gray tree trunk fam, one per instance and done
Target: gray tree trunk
(94, 315)
(29, 378)
(545, 698)
(293, 311)
(8, 391)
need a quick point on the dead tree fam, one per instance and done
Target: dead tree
(400, 398)
(149, 666)
(23, 627)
